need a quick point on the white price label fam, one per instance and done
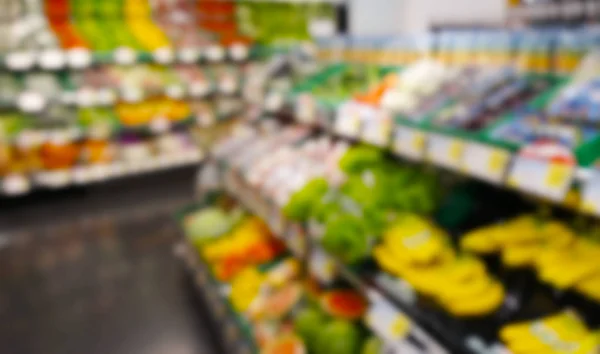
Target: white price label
(20, 61)
(31, 102)
(52, 59)
(15, 184)
(215, 53)
(486, 162)
(540, 177)
(160, 125)
(205, 119)
(125, 56)
(86, 97)
(348, 120)
(79, 58)
(274, 102)
(54, 179)
(591, 194)
(386, 321)
(409, 142)
(377, 130)
(306, 109)
(106, 97)
(199, 88)
(132, 94)
(322, 266)
(175, 92)
(228, 85)
(445, 151)
(189, 55)
(239, 52)
(164, 55)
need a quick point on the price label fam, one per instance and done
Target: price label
(385, 320)
(125, 56)
(377, 128)
(164, 55)
(86, 97)
(228, 85)
(20, 61)
(541, 177)
(31, 102)
(175, 92)
(322, 266)
(409, 142)
(306, 109)
(132, 94)
(52, 59)
(199, 88)
(348, 120)
(591, 194)
(486, 162)
(15, 184)
(205, 118)
(274, 102)
(189, 55)
(79, 58)
(106, 96)
(215, 53)
(160, 125)
(239, 52)
(445, 151)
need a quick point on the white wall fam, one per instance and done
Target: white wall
(375, 17)
(379, 17)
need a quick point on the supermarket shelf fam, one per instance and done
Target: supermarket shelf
(234, 333)
(76, 59)
(426, 334)
(19, 185)
(480, 160)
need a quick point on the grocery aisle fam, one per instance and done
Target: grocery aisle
(97, 274)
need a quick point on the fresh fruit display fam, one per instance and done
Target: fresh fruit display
(288, 344)
(560, 257)
(344, 304)
(419, 252)
(250, 242)
(563, 332)
(210, 223)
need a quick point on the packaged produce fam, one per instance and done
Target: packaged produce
(563, 332)
(419, 252)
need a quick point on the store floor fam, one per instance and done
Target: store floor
(93, 271)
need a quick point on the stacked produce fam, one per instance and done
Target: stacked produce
(559, 256)
(563, 332)
(419, 252)
(355, 213)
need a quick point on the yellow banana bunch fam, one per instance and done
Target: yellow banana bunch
(418, 251)
(561, 333)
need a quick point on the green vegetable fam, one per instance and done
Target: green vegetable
(372, 345)
(346, 237)
(300, 204)
(207, 224)
(308, 324)
(357, 159)
(339, 337)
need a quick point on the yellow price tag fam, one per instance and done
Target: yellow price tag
(497, 161)
(557, 175)
(400, 327)
(456, 150)
(418, 141)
